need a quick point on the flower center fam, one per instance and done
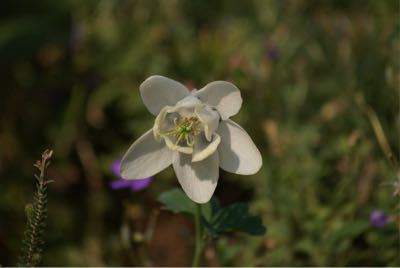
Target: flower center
(186, 129)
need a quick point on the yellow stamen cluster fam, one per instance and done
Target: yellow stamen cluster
(186, 129)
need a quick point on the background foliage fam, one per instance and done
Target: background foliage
(69, 77)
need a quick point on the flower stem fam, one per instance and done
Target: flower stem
(199, 246)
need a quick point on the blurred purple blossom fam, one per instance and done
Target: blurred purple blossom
(378, 218)
(273, 53)
(115, 168)
(133, 185)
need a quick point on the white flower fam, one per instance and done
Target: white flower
(193, 132)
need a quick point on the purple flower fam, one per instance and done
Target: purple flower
(378, 218)
(134, 185)
(273, 53)
(115, 168)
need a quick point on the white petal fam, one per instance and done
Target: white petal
(189, 101)
(222, 95)
(159, 91)
(210, 119)
(198, 179)
(237, 152)
(171, 144)
(203, 148)
(164, 122)
(185, 107)
(146, 157)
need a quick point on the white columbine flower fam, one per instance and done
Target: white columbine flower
(193, 132)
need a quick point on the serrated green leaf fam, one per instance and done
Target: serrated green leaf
(216, 219)
(210, 228)
(176, 201)
(236, 217)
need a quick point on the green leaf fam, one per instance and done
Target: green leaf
(349, 230)
(176, 201)
(216, 219)
(29, 212)
(236, 217)
(206, 210)
(207, 220)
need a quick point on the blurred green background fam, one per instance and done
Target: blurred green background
(69, 78)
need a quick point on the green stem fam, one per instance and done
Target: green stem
(377, 127)
(198, 252)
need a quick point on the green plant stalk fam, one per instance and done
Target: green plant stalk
(36, 217)
(377, 127)
(199, 246)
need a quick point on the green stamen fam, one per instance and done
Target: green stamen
(185, 130)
